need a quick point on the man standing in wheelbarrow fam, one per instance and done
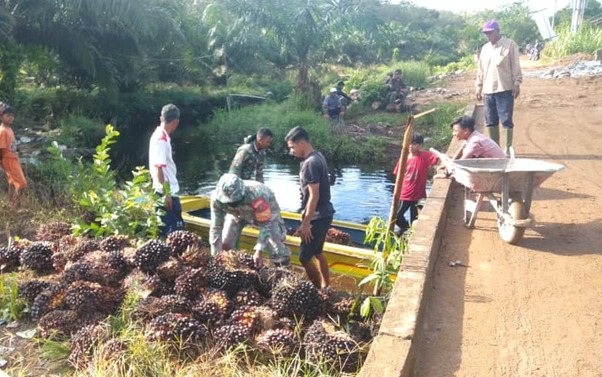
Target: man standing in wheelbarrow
(498, 78)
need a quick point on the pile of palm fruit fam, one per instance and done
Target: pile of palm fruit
(184, 295)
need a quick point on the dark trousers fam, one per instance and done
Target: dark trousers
(172, 220)
(401, 221)
(499, 107)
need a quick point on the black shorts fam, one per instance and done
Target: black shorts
(319, 228)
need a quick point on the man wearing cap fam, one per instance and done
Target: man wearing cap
(249, 159)
(236, 203)
(332, 105)
(163, 169)
(498, 78)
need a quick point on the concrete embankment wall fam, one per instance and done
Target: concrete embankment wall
(393, 350)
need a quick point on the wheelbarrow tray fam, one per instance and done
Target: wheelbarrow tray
(486, 174)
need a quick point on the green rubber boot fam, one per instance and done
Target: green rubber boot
(494, 133)
(509, 134)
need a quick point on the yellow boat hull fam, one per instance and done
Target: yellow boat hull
(347, 260)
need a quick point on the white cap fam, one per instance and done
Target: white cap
(333, 90)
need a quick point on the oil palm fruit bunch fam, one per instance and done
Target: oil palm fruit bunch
(53, 231)
(268, 277)
(169, 270)
(30, 289)
(81, 248)
(100, 273)
(176, 327)
(20, 244)
(231, 335)
(337, 303)
(9, 258)
(278, 342)
(37, 256)
(84, 296)
(246, 259)
(213, 306)
(59, 261)
(52, 298)
(247, 297)
(147, 309)
(180, 240)
(83, 343)
(150, 255)
(246, 316)
(188, 284)
(114, 243)
(225, 271)
(196, 257)
(335, 235)
(146, 285)
(295, 298)
(57, 321)
(175, 304)
(219, 297)
(324, 343)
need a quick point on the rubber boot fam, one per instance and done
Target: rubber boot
(509, 134)
(494, 133)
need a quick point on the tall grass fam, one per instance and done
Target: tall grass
(587, 40)
(11, 305)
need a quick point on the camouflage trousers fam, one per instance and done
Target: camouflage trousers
(279, 252)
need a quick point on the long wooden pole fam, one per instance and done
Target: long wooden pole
(403, 158)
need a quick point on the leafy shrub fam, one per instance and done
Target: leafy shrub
(80, 131)
(465, 64)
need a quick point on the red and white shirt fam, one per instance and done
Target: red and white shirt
(159, 156)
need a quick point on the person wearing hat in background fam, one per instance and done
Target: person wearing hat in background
(498, 79)
(249, 159)
(163, 169)
(236, 203)
(10, 157)
(332, 106)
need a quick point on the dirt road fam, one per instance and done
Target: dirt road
(534, 309)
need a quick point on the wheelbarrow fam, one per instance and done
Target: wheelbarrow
(507, 183)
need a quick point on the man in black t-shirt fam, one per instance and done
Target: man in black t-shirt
(317, 210)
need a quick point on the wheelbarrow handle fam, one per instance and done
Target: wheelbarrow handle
(447, 161)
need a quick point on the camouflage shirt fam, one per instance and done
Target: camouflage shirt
(259, 207)
(248, 162)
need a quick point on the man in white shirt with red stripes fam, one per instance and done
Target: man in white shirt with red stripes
(163, 169)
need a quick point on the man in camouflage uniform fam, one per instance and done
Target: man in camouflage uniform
(250, 156)
(236, 203)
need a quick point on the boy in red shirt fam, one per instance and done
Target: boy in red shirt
(9, 156)
(414, 181)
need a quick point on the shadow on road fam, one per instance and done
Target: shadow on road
(565, 239)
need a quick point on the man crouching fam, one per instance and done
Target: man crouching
(236, 203)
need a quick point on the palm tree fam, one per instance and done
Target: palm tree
(302, 27)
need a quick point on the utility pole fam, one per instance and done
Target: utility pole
(578, 12)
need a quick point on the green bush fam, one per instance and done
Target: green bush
(467, 63)
(587, 40)
(75, 130)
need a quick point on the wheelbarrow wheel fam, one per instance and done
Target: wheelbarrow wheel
(508, 232)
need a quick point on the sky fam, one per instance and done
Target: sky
(477, 5)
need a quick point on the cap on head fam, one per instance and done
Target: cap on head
(229, 189)
(8, 109)
(333, 90)
(490, 25)
(170, 112)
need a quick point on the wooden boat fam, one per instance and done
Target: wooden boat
(353, 260)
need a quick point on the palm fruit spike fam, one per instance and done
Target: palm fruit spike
(219, 297)
(296, 299)
(84, 296)
(9, 258)
(59, 261)
(53, 232)
(180, 240)
(150, 255)
(114, 243)
(189, 283)
(196, 257)
(246, 259)
(324, 343)
(337, 303)
(57, 321)
(83, 343)
(269, 277)
(208, 312)
(231, 335)
(147, 309)
(225, 271)
(80, 249)
(247, 297)
(169, 270)
(280, 342)
(144, 285)
(29, 290)
(176, 327)
(37, 256)
(50, 299)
